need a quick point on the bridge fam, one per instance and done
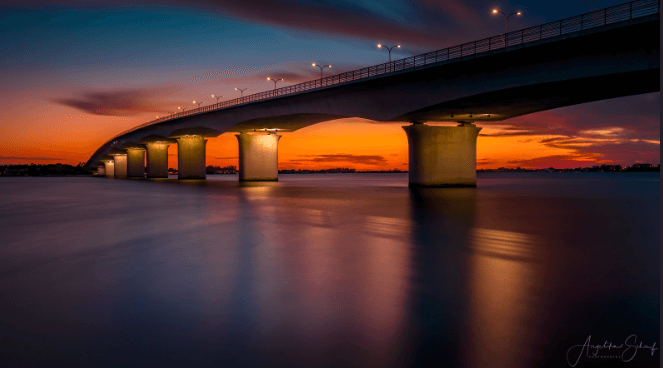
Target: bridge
(608, 53)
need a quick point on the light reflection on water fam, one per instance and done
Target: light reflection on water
(326, 270)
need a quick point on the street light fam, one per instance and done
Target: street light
(199, 103)
(495, 11)
(388, 49)
(275, 81)
(241, 91)
(182, 108)
(217, 98)
(321, 67)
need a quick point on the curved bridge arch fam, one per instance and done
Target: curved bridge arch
(606, 61)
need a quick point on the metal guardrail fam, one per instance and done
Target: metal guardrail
(597, 18)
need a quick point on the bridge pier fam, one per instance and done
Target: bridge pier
(157, 160)
(258, 157)
(109, 167)
(120, 161)
(442, 156)
(191, 157)
(191, 147)
(157, 155)
(135, 160)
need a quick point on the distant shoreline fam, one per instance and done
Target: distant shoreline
(61, 170)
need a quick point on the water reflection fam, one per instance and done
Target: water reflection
(441, 220)
(502, 284)
(345, 274)
(474, 286)
(503, 244)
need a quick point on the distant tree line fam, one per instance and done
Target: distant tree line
(44, 170)
(596, 168)
(221, 170)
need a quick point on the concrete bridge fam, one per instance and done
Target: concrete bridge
(612, 52)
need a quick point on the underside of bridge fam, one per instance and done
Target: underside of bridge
(518, 101)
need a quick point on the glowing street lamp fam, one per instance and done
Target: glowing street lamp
(217, 98)
(199, 103)
(241, 91)
(182, 108)
(321, 67)
(388, 49)
(275, 81)
(495, 11)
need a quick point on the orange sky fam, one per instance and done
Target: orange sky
(355, 143)
(71, 137)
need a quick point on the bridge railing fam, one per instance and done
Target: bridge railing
(597, 18)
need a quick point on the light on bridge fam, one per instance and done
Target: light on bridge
(389, 49)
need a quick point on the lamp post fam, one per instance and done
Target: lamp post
(182, 108)
(275, 81)
(217, 98)
(321, 67)
(241, 91)
(495, 11)
(199, 103)
(388, 49)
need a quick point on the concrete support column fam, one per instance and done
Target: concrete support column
(442, 156)
(258, 157)
(136, 162)
(191, 157)
(101, 170)
(157, 160)
(120, 165)
(109, 166)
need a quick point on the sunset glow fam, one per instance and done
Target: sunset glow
(57, 109)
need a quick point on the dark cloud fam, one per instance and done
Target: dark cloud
(486, 161)
(632, 117)
(622, 130)
(291, 73)
(118, 103)
(342, 157)
(421, 23)
(560, 161)
(554, 139)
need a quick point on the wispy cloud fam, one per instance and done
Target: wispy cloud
(292, 73)
(342, 157)
(119, 103)
(569, 160)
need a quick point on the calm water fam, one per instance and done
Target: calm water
(330, 270)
